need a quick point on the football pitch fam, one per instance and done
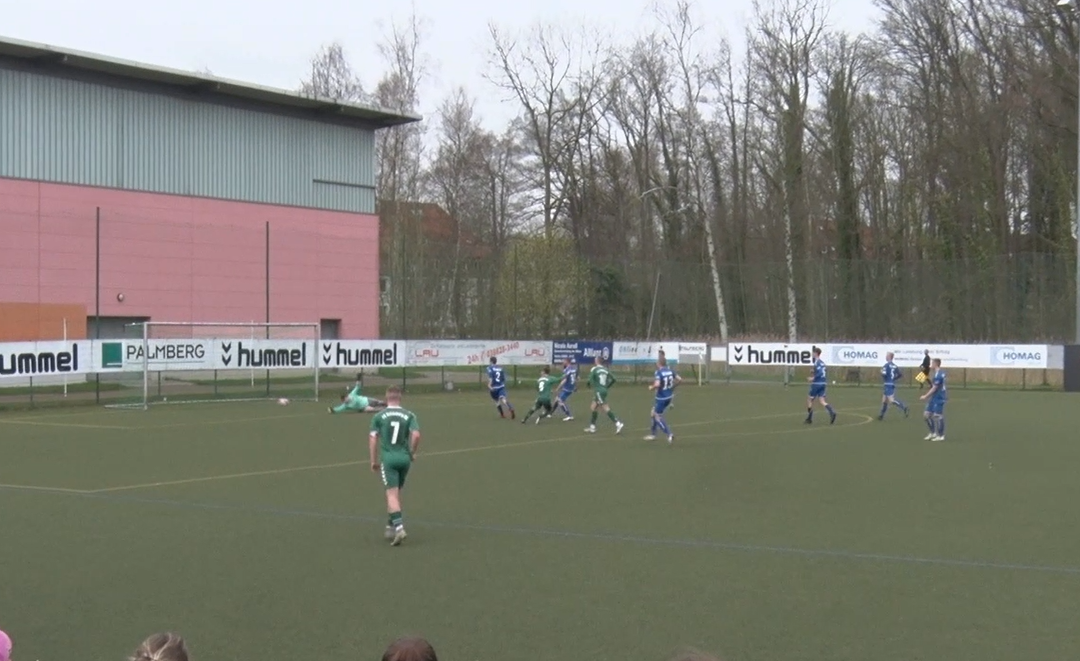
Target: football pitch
(256, 531)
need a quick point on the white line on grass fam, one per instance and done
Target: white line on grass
(499, 446)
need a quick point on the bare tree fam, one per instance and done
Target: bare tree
(696, 76)
(553, 75)
(784, 40)
(399, 155)
(456, 179)
(843, 63)
(332, 77)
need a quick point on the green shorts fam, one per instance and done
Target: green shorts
(543, 404)
(600, 397)
(394, 470)
(357, 403)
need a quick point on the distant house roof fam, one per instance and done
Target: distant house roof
(62, 61)
(436, 226)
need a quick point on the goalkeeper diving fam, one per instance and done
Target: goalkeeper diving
(354, 401)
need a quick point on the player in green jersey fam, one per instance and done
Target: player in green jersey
(395, 435)
(354, 401)
(600, 379)
(545, 385)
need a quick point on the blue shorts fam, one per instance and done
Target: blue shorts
(935, 406)
(497, 393)
(817, 390)
(889, 389)
(660, 405)
(565, 395)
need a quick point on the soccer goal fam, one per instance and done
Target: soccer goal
(183, 363)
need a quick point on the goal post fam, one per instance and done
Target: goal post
(180, 362)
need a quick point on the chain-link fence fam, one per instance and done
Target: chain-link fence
(1022, 298)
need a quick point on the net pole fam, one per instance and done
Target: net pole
(652, 310)
(146, 365)
(315, 358)
(253, 342)
(65, 373)
(267, 298)
(97, 296)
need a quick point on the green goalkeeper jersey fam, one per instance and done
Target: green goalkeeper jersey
(355, 400)
(545, 385)
(600, 379)
(394, 426)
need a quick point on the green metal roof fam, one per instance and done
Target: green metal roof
(315, 108)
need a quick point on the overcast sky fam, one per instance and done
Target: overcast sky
(270, 42)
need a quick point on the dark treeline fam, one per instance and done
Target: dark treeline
(914, 182)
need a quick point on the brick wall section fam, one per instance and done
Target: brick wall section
(187, 259)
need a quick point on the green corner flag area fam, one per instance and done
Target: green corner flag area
(257, 530)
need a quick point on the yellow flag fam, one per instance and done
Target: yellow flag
(920, 377)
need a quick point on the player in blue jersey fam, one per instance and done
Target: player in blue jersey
(664, 382)
(497, 387)
(935, 408)
(890, 374)
(818, 381)
(570, 375)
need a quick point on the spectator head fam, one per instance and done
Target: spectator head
(162, 647)
(410, 649)
(5, 647)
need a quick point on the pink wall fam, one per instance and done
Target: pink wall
(188, 259)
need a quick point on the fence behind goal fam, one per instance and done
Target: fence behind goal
(194, 362)
(171, 363)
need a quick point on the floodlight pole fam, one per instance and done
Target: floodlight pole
(1071, 4)
(1076, 208)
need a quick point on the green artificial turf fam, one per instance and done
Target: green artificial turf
(255, 530)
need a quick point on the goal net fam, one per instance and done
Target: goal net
(177, 363)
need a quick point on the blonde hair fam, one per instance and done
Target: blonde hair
(161, 647)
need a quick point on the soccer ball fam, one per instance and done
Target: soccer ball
(449, 385)
(283, 402)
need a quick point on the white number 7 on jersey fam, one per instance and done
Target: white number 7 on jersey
(396, 426)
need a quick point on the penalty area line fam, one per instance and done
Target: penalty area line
(33, 487)
(75, 425)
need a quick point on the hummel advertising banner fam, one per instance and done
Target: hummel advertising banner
(956, 356)
(37, 359)
(344, 354)
(439, 353)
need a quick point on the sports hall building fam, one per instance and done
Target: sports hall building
(130, 192)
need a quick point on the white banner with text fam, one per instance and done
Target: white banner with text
(22, 360)
(447, 353)
(956, 356)
(630, 353)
